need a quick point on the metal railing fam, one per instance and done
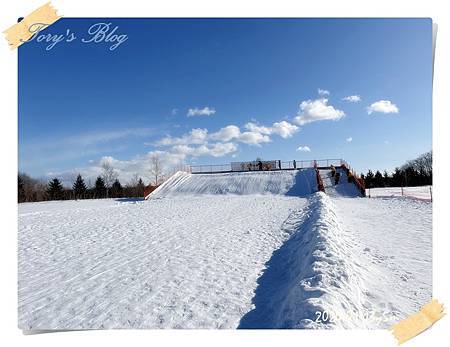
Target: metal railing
(284, 165)
(210, 168)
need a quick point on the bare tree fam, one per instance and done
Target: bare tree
(422, 163)
(133, 185)
(32, 189)
(133, 180)
(109, 175)
(156, 169)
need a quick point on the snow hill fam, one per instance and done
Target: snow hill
(291, 183)
(239, 250)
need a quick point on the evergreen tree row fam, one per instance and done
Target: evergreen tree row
(417, 172)
(30, 190)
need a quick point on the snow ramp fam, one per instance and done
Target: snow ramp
(293, 182)
(343, 188)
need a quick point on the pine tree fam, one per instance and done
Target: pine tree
(55, 190)
(378, 179)
(79, 188)
(370, 179)
(397, 178)
(116, 189)
(20, 189)
(411, 177)
(100, 188)
(386, 179)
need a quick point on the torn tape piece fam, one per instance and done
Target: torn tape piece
(418, 322)
(22, 31)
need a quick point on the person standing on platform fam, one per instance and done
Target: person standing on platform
(337, 176)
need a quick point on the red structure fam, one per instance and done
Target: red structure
(149, 189)
(353, 178)
(320, 186)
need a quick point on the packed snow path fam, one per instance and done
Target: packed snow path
(200, 254)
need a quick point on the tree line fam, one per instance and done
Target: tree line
(107, 185)
(417, 172)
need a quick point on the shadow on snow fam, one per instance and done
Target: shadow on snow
(280, 301)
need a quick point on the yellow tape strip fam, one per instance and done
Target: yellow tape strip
(20, 32)
(418, 322)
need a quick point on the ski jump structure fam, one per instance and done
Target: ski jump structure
(276, 165)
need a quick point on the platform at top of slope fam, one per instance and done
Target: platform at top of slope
(343, 188)
(293, 183)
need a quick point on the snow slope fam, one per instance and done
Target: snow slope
(343, 188)
(225, 251)
(294, 183)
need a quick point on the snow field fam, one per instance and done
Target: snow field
(421, 193)
(165, 263)
(392, 240)
(241, 250)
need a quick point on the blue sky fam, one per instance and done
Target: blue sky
(219, 90)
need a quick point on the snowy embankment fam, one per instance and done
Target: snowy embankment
(292, 183)
(312, 273)
(247, 250)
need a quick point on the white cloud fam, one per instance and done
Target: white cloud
(323, 92)
(283, 129)
(205, 111)
(232, 132)
(221, 149)
(253, 138)
(199, 142)
(382, 106)
(125, 168)
(254, 127)
(349, 139)
(196, 136)
(140, 164)
(226, 134)
(215, 150)
(317, 110)
(304, 149)
(352, 98)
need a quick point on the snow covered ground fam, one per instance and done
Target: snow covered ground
(390, 244)
(244, 250)
(178, 262)
(422, 193)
